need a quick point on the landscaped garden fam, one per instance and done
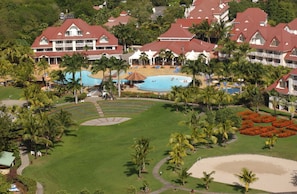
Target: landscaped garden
(100, 157)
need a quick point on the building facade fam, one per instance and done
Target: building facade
(75, 36)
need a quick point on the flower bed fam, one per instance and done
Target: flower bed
(246, 124)
(280, 127)
(282, 123)
(286, 133)
(292, 127)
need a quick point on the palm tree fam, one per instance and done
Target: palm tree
(222, 98)
(141, 149)
(170, 55)
(247, 177)
(274, 99)
(254, 96)
(143, 58)
(183, 175)
(175, 96)
(100, 65)
(224, 130)
(207, 96)
(64, 122)
(207, 179)
(119, 65)
(195, 67)
(74, 85)
(31, 129)
(203, 30)
(162, 55)
(43, 66)
(220, 30)
(179, 144)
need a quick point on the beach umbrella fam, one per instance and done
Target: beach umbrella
(135, 77)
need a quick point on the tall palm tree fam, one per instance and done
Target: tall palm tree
(207, 96)
(119, 65)
(247, 177)
(254, 96)
(195, 67)
(220, 30)
(141, 149)
(170, 55)
(43, 66)
(224, 130)
(183, 175)
(64, 122)
(162, 55)
(100, 65)
(143, 58)
(179, 144)
(75, 86)
(175, 96)
(203, 30)
(207, 179)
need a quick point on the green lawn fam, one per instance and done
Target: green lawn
(10, 92)
(99, 157)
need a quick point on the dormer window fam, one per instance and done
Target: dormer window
(241, 38)
(103, 39)
(43, 41)
(282, 84)
(274, 42)
(257, 39)
(73, 31)
(294, 52)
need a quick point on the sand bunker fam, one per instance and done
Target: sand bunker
(275, 174)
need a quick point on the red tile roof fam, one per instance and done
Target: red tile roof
(206, 9)
(187, 22)
(123, 18)
(177, 32)
(88, 32)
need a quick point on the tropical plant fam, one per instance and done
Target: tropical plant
(65, 122)
(194, 67)
(179, 144)
(183, 175)
(119, 65)
(224, 130)
(207, 178)
(175, 96)
(271, 141)
(43, 67)
(247, 177)
(143, 58)
(162, 55)
(141, 148)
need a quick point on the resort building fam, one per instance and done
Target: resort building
(272, 45)
(285, 86)
(123, 18)
(177, 40)
(75, 36)
(6, 162)
(211, 10)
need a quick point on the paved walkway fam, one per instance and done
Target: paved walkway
(26, 162)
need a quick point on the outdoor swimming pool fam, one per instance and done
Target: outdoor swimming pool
(232, 90)
(86, 79)
(163, 83)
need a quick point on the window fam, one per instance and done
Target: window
(241, 38)
(294, 52)
(103, 39)
(257, 39)
(274, 42)
(43, 41)
(59, 42)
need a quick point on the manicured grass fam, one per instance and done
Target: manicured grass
(99, 157)
(10, 92)
(79, 112)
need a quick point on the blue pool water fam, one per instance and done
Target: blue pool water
(87, 80)
(163, 83)
(232, 90)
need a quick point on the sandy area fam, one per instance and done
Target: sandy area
(275, 174)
